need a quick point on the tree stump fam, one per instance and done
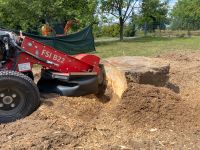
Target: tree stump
(120, 71)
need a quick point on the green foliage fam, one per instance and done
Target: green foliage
(110, 30)
(113, 30)
(186, 15)
(154, 14)
(97, 31)
(130, 30)
(121, 9)
(29, 15)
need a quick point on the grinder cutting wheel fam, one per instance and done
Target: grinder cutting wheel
(61, 73)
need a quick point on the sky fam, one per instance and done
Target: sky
(172, 3)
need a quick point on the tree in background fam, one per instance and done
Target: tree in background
(29, 15)
(110, 30)
(186, 15)
(121, 9)
(153, 15)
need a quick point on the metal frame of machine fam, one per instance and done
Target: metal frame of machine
(61, 73)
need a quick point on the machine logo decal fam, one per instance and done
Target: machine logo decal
(52, 56)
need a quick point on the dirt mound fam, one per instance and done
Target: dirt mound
(59, 122)
(87, 123)
(181, 56)
(146, 117)
(35, 134)
(145, 105)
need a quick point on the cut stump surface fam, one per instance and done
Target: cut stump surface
(120, 71)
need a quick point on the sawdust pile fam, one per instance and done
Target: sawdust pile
(145, 105)
(146, 117)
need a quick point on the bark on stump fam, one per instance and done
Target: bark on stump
(120, 71)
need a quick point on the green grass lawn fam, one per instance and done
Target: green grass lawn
(147, 46)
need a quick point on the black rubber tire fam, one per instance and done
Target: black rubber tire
(28, 99)
(29, 74)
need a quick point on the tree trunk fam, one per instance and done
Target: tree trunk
(121, 21)
(121, 29)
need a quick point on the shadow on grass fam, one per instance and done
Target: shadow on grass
(99, 43)
(151, 39)
(139, 40)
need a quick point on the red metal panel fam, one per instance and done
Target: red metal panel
(89, 59)
(61, 61)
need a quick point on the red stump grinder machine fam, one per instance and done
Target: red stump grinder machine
(61, 73)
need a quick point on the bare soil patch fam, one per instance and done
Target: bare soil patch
(147, 117)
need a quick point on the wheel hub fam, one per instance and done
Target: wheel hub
(7, 100)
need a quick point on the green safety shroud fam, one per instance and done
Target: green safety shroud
(77, 43)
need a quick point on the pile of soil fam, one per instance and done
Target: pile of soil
(146, 117)
(144, 105)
